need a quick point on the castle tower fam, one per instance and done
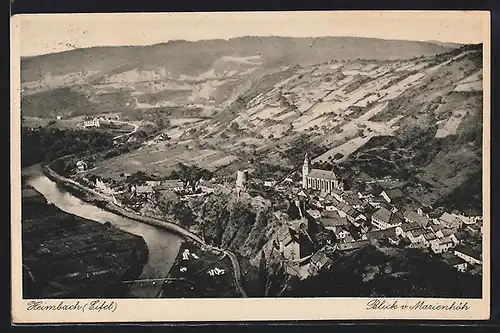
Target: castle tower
(241, 179)
(305, 171)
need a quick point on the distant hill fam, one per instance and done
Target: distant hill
(187, 57)
(208, 73)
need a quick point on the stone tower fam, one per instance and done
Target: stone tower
(241, 179)
(305, 171)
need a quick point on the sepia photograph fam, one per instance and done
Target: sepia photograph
(275, 156)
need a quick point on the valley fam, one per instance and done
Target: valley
(412, 122)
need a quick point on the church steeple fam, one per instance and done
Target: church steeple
(305, 171)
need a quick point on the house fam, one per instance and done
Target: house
(456, 262)
(322, 195)
(318, 261)
(338, 195)
(446, 232)
(331, 220)
(450, 221)
(216, 271)
(175, 185)
(353, 200)
(315, 214)
(353, 215)
(440, 245)
(153, 183)
(269, 183)
(289, 246)
(352, 245)
(385, 219)
(392, 195)
(428, 238)
(435, 227)
(81, 166)
(416, 235)
(413, 217)
(142, 190)
(205, 186)
(404, 228)
(94, 122)
(332, 204)
(380, 234)
(469, 255)
(376, 202)
(341, 233)
(469, 220)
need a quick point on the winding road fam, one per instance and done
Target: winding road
(111, 206)
(136, 127)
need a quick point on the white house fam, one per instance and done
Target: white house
(450, 221)
(94, 122)
(205, 186)
(469, 255)
(81, 166)
(385, 219)
(175, 185)
(269, 183)
(440, 245)
(404, 228)
(153, 183)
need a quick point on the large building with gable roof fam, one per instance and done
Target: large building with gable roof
(317, 179)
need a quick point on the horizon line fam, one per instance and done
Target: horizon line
(436, 42)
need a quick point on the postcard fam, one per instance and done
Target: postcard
(244, 166)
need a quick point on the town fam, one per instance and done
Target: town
(329, 217)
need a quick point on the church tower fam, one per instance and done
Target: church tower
(305, 171)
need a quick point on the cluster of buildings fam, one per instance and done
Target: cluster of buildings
(89, 122)
(357, 219)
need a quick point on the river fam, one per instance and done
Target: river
(163, 246)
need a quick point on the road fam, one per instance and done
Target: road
(237, 272)
(151, 221)
(136, 127)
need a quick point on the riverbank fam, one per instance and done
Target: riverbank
(66, 256)
(106, 203)
(90, 196)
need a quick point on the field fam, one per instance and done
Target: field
(162, 160)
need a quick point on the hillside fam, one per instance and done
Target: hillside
(208, 74)
(416, 121)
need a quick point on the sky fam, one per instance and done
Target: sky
(50, 33)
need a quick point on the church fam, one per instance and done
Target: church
(321, 180)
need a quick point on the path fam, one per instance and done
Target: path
(136, 127)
